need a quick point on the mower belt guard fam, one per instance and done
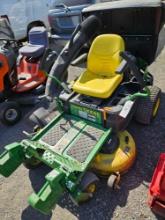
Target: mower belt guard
(49, 194)
(157, 188)
(11, 159)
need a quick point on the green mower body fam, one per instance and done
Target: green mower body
(69, 144)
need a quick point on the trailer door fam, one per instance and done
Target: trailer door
(17, 16)
(37, 10)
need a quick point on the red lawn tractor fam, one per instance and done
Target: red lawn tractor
(157, 188)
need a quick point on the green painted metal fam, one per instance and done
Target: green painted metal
(56, 158)
(144, 94)
(67, 171)
(47, 197)
(56, 80)
(47, 127)
(11, 159)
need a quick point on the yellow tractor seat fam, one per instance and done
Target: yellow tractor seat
(100, 79)
(96, 85)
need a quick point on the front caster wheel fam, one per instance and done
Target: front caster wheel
(88, 185)
(113, 181)
(10, 113)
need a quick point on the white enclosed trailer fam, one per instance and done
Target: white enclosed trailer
(23, 14)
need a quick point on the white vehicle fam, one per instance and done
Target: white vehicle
(24, 14)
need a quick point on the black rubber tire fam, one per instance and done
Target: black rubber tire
(6, 107)
(145, 107)
(32, 163)
(88, 179)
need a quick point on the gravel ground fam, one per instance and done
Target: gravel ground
(130, 202)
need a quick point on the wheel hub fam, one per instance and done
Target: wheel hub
(91, 188)
(11, 114)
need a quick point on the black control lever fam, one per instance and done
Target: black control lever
(131, 61)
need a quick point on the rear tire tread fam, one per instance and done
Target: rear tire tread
(144, 112)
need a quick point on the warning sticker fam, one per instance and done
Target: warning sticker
(126, 109)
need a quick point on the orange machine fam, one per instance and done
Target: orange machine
(22, 73)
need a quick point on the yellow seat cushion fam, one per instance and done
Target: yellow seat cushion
(97, 85)
(100, 79)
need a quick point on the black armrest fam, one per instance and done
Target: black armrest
(131, 62)
(123, 67)
(128, 56)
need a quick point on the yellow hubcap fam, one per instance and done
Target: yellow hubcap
(91, 188)
(38, 129)
(156, 107)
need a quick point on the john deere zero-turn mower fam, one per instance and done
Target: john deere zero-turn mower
(88, 136)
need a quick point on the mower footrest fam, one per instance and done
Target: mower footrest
(11, 159)
(49, 194)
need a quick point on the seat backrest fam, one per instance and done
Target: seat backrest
(38, 36)
(104, 54)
